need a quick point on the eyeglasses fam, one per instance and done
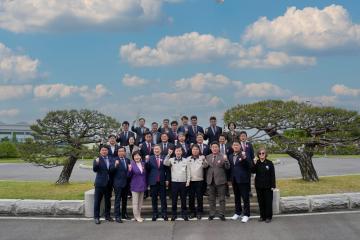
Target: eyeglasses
(262, 153)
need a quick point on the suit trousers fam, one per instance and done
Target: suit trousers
(101, 192)
(178, 188)
(241, 191)
(196, 190)
(158, 190)
(220, 190)
(124, 197)
(137, 202)
(265, 199)
(118, 197)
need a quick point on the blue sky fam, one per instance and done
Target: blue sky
(163, 58)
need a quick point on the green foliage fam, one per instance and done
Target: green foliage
(8, 150)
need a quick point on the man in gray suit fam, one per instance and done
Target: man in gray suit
(216, 179)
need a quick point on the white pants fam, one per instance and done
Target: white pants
(137, 202)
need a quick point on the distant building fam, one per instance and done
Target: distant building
(19, 131)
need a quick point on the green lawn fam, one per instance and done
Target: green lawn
(11, 160)
(336, 184)
(43, 190)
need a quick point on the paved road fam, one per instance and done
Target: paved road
(327, 227)
(288, 168)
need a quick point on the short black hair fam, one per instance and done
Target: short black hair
(142, 119)
(147, 133)
(164, 133)
(212, 118)
(184, 117)
(200, 134)
(222, 135)
(174, 122)
(166, 119)
(122, 147)
(193, 117)
(215, 143)
(243, 132)
(154, 123)
(103, 146)
(195, 146)
(136, 153)
(111, 135)
(125, 123)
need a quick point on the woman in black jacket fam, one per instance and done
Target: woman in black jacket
(264, 184)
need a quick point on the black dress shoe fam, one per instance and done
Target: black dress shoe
(165, 218)
(199, 216)
(268, 220)
(211, 218)
(125, 216)
(109, 219)
(261, 220)
(118, 220)
(97, 221)
(193, 215)
(222, 218)
(185, 218)
(154, 218)
(173, 218)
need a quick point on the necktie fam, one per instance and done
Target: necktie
(126, 135)
(201, 148)
(222, 149)
(148, 148)
(158, 165)
(243, 146)
(107, 162)
(234, 159)
(165, 147)
(194, 129)
(213, 129)
(123, 161)
(213, 161)
(184, 147)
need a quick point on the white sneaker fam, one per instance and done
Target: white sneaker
(235, 217)
(245, 219)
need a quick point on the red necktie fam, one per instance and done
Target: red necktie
(158, 164)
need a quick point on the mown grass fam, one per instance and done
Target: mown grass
(43, 190)
(326, 185)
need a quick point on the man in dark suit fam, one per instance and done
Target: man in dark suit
(184, 127)
(158, 179)
(146, 148)
(155, 134)
(102, 167)
(173, 135)
(184, 146)
(239, 175)
(120, 183)
(125, 134)
(213, 132)
(165, 145)
(140, 130)
(194, 129)
(247, 147)
(112, 146)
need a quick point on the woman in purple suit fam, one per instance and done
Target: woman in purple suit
(138, 184)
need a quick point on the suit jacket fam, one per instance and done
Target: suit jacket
(145, 151)
(206, 149)
(192, 134)
(232, 137)
(185, 130)
(240, 171)
(217, 169)
(102, 178)
(164, 152)
(156, 137)
(265, 174)
(120, 173)
(185, 149)
(112, 154)
(138, 178)
(128, 153)
(139, 133)
(209, 134)
(163, 172)
(171, 135)
(249, 150)
(122, 140)
(228, 149)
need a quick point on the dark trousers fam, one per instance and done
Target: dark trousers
(196, 190)
(119, 195)
(124, 197)
(265, 199)
(215, 190)
(204, 186)
(158, 190)
(101, 192)
(178, 188)
(241, 191)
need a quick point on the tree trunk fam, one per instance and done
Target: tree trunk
(306, 165)
(67, 170)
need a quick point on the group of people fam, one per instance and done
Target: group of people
(175, 159)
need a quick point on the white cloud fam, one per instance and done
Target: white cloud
(187, 47)
(12, 112)
(259, 90)
(195, 47)
(317, 100)
(15, 67)
(14, 91)
(201, 81)
(59, 90)
(67, 15)
(134, 81)
(340, 89)
(309, 28)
